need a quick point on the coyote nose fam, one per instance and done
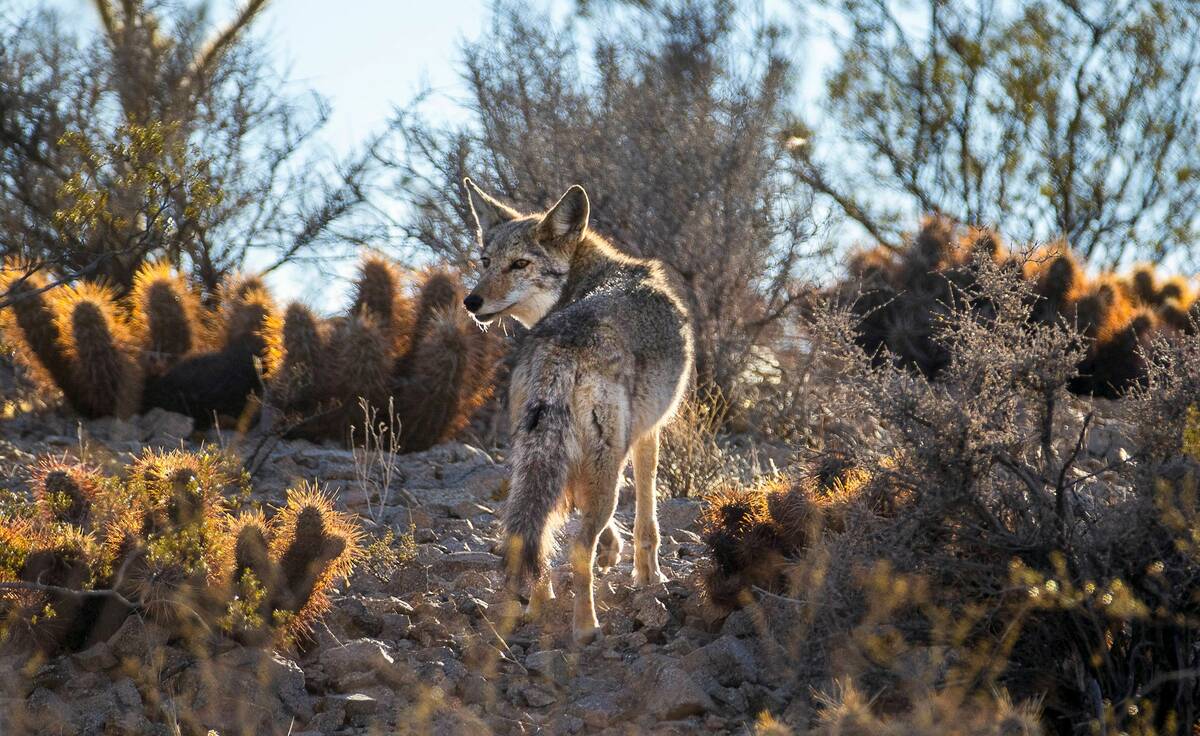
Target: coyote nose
(473, 302)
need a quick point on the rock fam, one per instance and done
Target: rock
(395, 625)
(739, 623)
(331, 716)
(244, 690)
(671, 693)
(538, 696)
(598, 710)
(137, 640)
(550, 664)
(678, 513)
(97, 657)
(457, 562)
(161, 427)
(470, 510)
(474, 689)
(649, 611)
(112, 429)
(356, 658)
(358, 705)
(729, 660)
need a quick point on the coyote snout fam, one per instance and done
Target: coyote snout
(603, 366)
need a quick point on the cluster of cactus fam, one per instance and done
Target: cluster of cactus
(165, 542)
(899, 297)
(156, 347)
(752, 533)
(422, 359)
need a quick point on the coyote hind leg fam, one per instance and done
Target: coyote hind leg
(645, 524)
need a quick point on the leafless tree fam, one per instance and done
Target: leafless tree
(160, 136)
(674, 127)
(1056, 117)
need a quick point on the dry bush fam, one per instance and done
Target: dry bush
(695, 457)
(703, 86)
(984, 548)
(165, 542)
(900, 295)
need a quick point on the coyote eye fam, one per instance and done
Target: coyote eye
(485, 261)
(519, 263)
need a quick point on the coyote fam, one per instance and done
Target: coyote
(605, 364)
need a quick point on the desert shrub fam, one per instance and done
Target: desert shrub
(985, 543)
(900, 295)
(695, 454)
(166, 542)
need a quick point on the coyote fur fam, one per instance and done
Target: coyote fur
(605, 363)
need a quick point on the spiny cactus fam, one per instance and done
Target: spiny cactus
(219, 383)
(30, 326)
(900, 296)
(303, 376)
(64, 491)
(166, 315)
(99, 351)
(443, 380)
(285, 565)
(166, 540)
(752, 533)
(248, 317)
(360, 368)
(377, 293)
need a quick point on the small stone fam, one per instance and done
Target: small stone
(470, 510)
(598, 710)
(475, 689)
(551, 664)
(357, 657)
(97, 657)
(740, 623)
(395, 625)
(456, 562)
(672, 694)
(729, 660)
(161, 427)
(649, 611)
(359, 705)
(537, 696)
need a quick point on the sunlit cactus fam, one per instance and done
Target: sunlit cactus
(99, 351)
(166, 315)
(313, 545)
(377, 293)
(64, 492)
(30, 326)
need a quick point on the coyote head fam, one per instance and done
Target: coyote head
(523, 259)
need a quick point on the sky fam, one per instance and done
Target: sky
(366, 57)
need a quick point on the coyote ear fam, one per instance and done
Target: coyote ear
(488, 212)
(568, 217)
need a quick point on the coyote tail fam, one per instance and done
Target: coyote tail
(542, 454)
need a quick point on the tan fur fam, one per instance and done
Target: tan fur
(604, 365)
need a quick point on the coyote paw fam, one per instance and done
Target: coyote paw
(642, 579)
(587, 634)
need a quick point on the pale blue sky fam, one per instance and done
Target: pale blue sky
(368, 56)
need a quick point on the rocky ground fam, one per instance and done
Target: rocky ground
(419, 647)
